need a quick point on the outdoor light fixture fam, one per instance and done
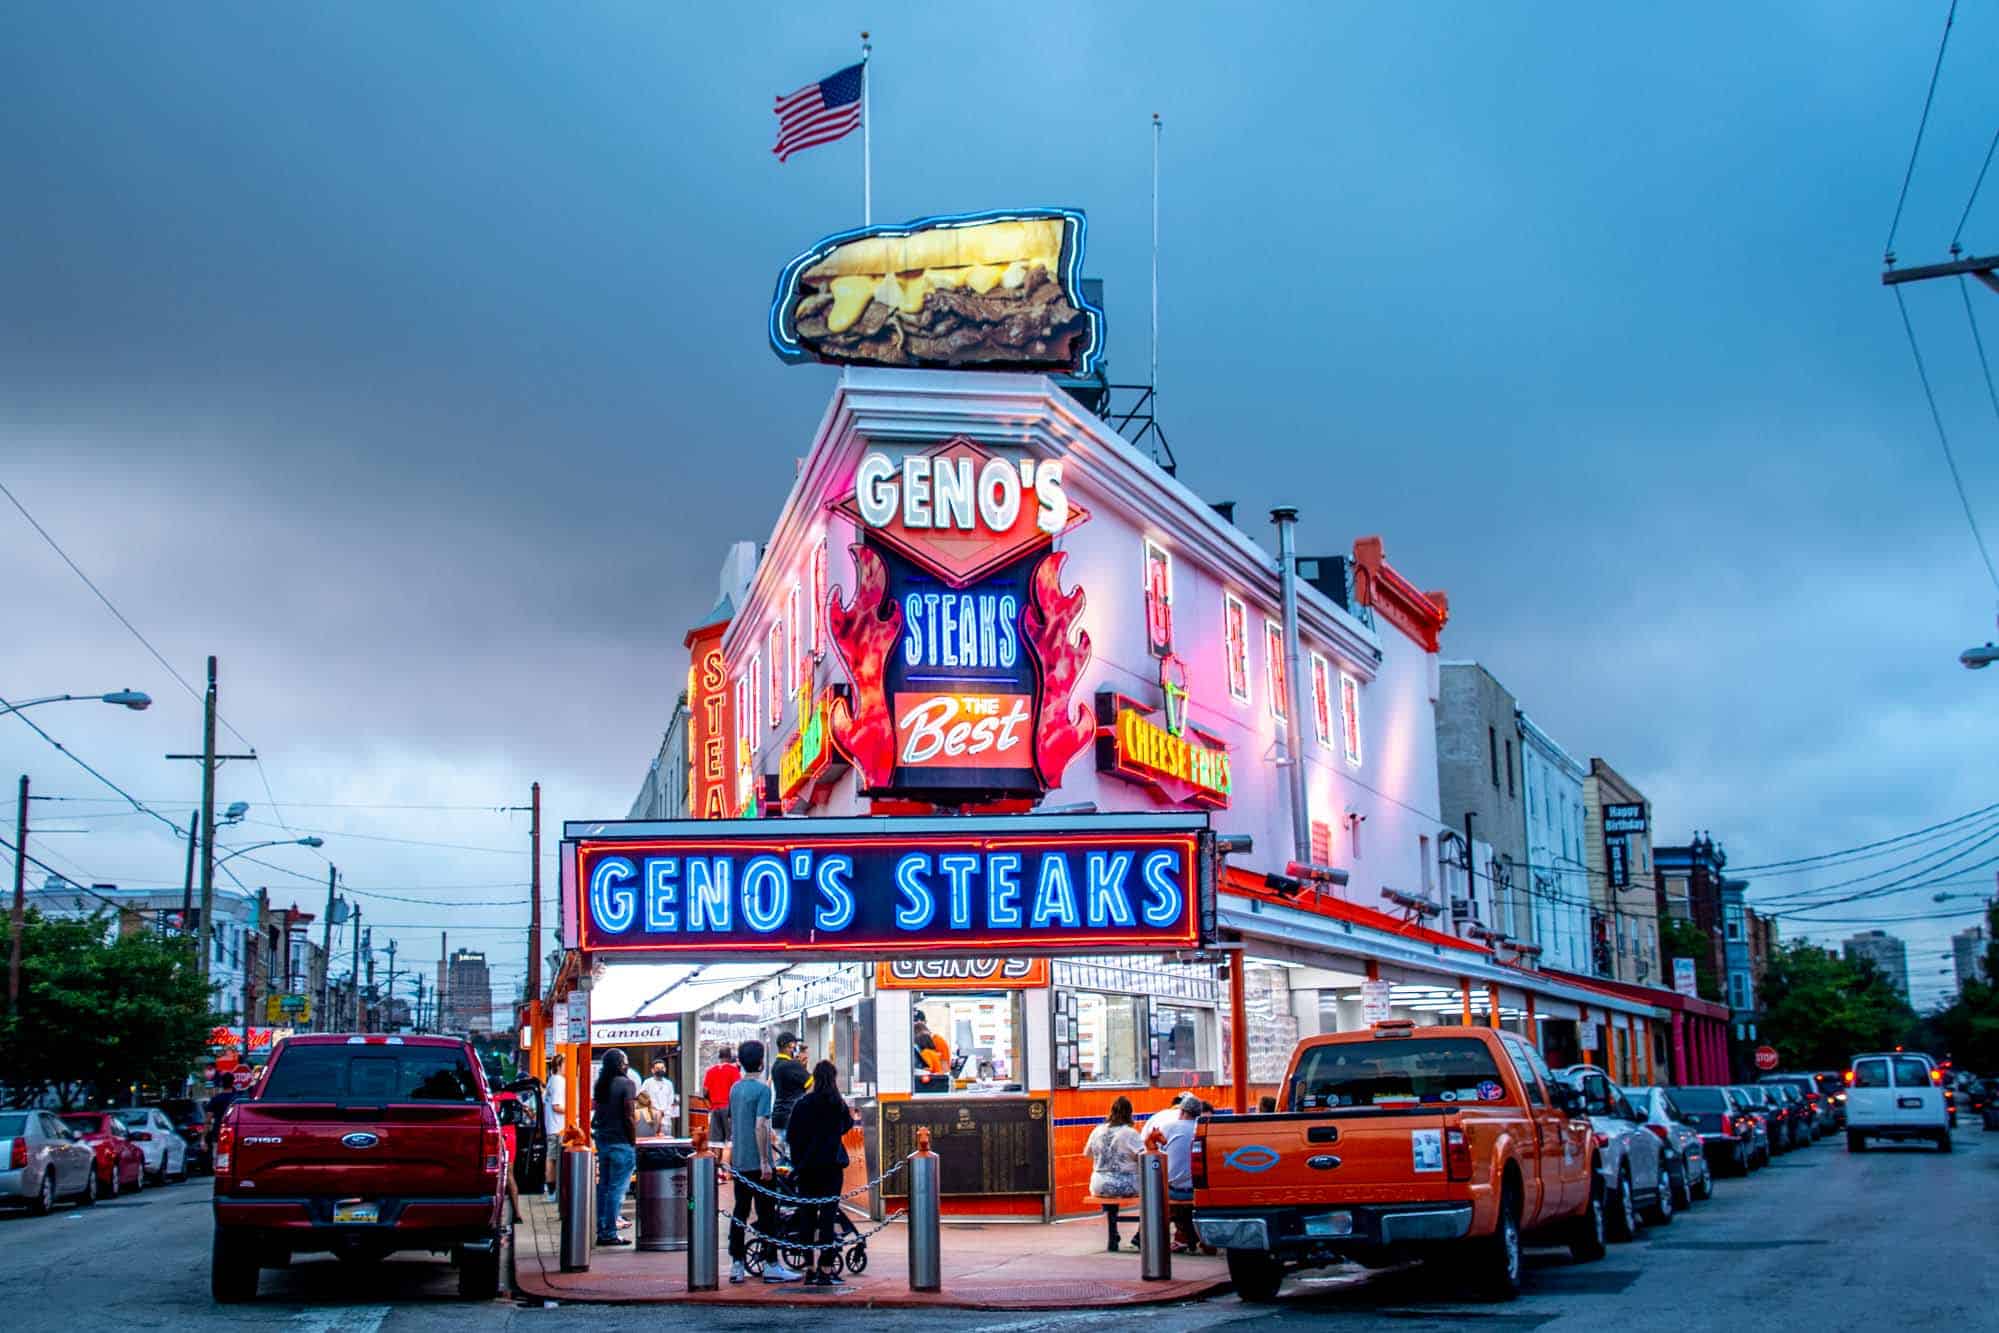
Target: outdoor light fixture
(136, 700)
(1977, 659)
(1409, 902)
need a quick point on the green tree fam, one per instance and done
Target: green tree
(1683, 939)
(97, 1017)
(1819, 1009)
(1967, 1030)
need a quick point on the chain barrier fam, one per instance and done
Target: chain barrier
(738, 1178)
(788, 1243)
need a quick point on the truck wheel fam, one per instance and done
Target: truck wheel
(232, 1268)
(1943, 1141)
(1256, 1274)
(479, 1273)
(1495, 1259)
(1622, 1220)
(1856, 1141)
(1587, 1237)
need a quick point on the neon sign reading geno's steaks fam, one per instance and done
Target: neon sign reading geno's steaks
(898, 890)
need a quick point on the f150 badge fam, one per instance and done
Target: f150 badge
(360, 1140)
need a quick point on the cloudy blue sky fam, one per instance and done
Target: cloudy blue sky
(410, 358)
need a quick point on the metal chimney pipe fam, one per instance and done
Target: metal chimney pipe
(1286, 519)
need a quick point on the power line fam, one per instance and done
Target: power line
(1958, 234)
(136, 804)
(1923, 374)
(1888, 250)
(1791, 899)
(1852, 852)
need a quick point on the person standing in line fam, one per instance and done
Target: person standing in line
(554, 1108)
(819, 1124)
(715, 1084)
(614, 1119)
(665, 1101)
(751, 1153)
(788, 1081)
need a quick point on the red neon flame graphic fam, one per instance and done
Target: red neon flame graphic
(1061, 651)
(865, 633)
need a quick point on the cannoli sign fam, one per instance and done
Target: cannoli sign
(998, 290)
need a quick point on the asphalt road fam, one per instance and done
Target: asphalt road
(1819, 1238)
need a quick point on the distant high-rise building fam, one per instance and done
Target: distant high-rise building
(1968, 952)
(468, 997)
(1886, 952)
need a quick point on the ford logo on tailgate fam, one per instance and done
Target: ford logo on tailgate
(360, 1140)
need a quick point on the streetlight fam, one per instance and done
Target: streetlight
(1977, 659)
(308, 841)
(131, 699)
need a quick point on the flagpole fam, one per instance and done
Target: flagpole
(867, 137)
(1155, 265)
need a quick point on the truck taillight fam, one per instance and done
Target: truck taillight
(1457, 1155)
(18, 1158)
(225, 1147)
(492, 1150)
(1197, 1154)
(1728, 1124)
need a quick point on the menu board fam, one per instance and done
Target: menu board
(984, 1145)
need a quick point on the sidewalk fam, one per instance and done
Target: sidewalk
(990, 1266)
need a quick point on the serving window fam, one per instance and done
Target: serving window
(1110, 1045)
(982, 1030)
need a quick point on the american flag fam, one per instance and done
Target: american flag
(819, 112)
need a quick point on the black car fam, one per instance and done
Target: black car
(1728, 1140)
(1776, 1112)
(1832, 1083)
(190, 1121)
(1818, 1113)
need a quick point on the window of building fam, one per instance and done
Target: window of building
(1423, 858)
(777, 690)
(1183, 1036)
(1109, 1037)
(1738, 990)
(793, 628)
(1734, 930)
(1492, 755)
(818, 636)
(1510, 789)
(1235, 643)
(981, 1027)
(1322, 700)
(1273, 670)
(1158, 599)
(1350, 717)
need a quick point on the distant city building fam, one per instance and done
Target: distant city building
(1886, 952)
(1478, 774)
(1968, 953)
(1557, 880)
(469, 994)
(159, 910)
(1617, 849)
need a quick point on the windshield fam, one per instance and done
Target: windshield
(1399, 1070)
(84, 1124)
(1640, 1099)
(138, 1117)
(1701, 1099)
(370, 1074)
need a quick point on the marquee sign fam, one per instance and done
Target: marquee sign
(1010, 886)
(962, 646)
(708, 723)
(1190, 766)
(942, 974)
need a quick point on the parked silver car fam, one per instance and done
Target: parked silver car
(165, 1149)
(41, 1161)
(1633, 1162)
(1688, 1168)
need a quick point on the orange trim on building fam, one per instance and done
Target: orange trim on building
(1237, 880)
(1420, 615)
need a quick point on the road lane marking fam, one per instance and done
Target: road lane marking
(354, 1319)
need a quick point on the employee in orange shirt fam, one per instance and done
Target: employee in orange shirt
(932, 1051)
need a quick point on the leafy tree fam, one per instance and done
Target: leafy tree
(1683, 939)
(96, 1018)
(1968, 1029)
(1819, 1009)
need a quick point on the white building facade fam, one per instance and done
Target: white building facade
(1557, 879)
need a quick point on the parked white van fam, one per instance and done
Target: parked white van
(1895, 1095)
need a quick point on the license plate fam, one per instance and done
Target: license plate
(1910, 1103)
(353, 1210)
(1329, 1224)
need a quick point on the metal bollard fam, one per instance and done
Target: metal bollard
(926, 1270)
(1155, 1233)
(577, 1192)
(702, 1265)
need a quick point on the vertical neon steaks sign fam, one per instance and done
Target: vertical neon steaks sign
(963, 647)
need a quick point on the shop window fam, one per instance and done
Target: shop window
(1273, 670)
(1235, 642)
(1158, 599)
(1181, 1034)
(1109, 1032)
(1322, 700)
(1350, 717)
(982, 1030)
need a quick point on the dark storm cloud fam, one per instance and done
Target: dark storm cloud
(411, 357)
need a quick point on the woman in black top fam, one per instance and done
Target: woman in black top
(818, 1124)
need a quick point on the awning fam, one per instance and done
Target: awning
(662, 990)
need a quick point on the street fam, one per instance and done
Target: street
(1810, 1240)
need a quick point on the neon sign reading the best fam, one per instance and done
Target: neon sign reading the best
(895, 890)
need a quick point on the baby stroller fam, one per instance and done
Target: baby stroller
(793, 1222)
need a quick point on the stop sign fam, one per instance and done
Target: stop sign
(1766, 1058)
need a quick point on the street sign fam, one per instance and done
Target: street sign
(1683, 978)
(1374, 1001)
(1766, 1058)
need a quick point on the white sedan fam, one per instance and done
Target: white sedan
(165, 1149)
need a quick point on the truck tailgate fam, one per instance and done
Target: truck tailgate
(403, 1150)
(1357, 1156)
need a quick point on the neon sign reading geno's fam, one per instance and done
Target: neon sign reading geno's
(896, 890)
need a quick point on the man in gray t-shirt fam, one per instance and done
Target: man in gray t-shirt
(750, 1162)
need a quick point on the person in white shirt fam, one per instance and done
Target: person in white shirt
(554, 1100)
(665, 1102)
(1161, 1120)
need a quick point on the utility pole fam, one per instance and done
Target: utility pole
(535, 1048)
(389, 1014)
(253, 942)
(209, 759)
(1985, 269)
(18, 919)
(354, 972)
(443, 976)
(187, 879)
(368, 1025)
(419, 1001)
(326, 953)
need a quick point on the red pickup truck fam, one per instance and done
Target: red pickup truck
(1447, 1142)
(360, 1146)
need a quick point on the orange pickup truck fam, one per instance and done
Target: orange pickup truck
(1446, 1142)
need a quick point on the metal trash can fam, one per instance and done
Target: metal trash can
(662, 1205)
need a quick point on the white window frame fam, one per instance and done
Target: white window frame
(1323, 709)
(1350, 744)
(1274, 680)
(1233, 649)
